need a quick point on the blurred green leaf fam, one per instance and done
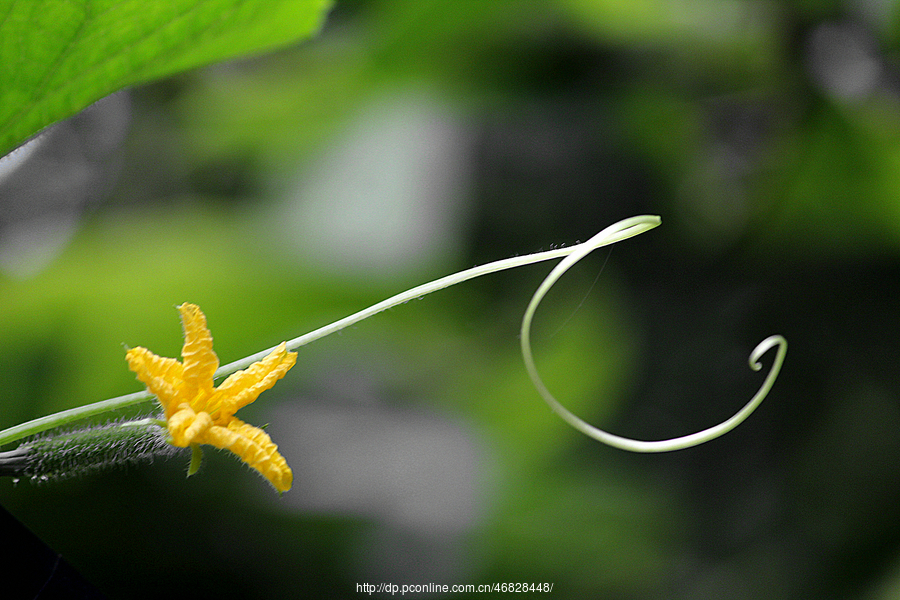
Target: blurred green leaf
(59, 56)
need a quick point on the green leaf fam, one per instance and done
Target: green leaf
(58, 56)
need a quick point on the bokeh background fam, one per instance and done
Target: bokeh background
(407, 141)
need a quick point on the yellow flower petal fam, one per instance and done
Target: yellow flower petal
(188, 427)
(200, 362)
(243, 387)
(253, 446)
(162, 376)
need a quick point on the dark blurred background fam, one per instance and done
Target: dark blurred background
(410, 140)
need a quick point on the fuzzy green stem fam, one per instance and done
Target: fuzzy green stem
(62, 454)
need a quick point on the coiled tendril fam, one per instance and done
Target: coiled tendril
(615, 233)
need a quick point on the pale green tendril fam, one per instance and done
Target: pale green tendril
(615, 233)
(616, 441)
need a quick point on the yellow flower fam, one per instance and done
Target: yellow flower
(197, 413)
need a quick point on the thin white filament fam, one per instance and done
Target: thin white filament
(605, 237)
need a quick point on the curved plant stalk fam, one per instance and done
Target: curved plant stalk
(615, 233)
(629, 444)
(71, 415)
(620, 231)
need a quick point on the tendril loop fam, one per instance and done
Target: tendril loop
(615, 233)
